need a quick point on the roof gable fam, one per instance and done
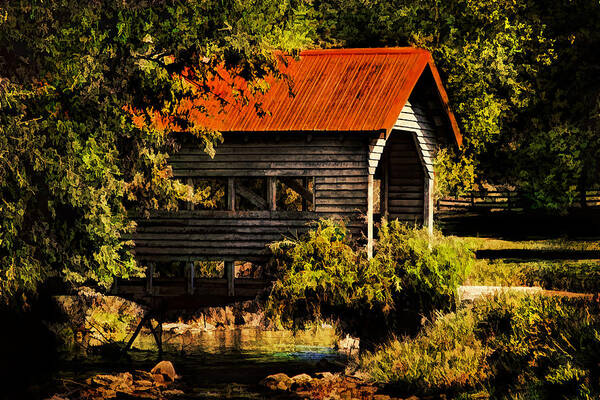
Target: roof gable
(350, 90)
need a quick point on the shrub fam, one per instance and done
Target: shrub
(427, 268)
(552, 343)
(322, 275)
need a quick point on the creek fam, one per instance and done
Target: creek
(223, 363)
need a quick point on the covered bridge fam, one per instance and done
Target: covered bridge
(354, 140)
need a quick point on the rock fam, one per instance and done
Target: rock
(277, 382)
(349, 344)
(324, 375)
(166, 369)
(300, 381)
(381, 397)
(412, 398)
(173, 392)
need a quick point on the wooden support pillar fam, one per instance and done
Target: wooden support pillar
(190, 278)
(149, 274)
(385, 196)
(190, 182)
(142, 322)
(230, 274)
(231, 194)
(314, 192)
(272, 193)
(428, 203)
(370, 216)
(304, 202)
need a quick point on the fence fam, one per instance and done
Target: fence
(498, 200)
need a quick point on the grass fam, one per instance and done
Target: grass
(569, 275)
(573, 276)
(505, 347)
(478, 243)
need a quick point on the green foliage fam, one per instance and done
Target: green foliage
(322, 276)
(454, 176)
(321, 273)
(427, 268)
(90, 96)
(554, 166)
(551, 344)
(511, 346)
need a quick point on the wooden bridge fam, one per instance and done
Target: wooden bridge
(357, 139)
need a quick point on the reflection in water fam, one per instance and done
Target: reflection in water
(224, 363)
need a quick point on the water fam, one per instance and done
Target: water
(223, 363)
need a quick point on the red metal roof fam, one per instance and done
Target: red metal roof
(352, 90)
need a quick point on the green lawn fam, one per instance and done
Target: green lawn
(571, 275)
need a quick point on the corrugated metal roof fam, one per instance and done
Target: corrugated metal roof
(351, 90)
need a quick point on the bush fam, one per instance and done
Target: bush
(323, 276)
(427, 268)
(550, 343)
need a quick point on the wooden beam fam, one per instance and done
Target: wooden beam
(190, 182)
(301, 189)
(190, 278)
(370, 217)
(149, 273)
(428, 203)
(230, 274)
(231, 194)
(272, 193)
(304, 199)
(249, 195)
(385, 195)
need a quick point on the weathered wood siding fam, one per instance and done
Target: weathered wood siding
(339, 165)
(405, 189)
(215, 235)
(414, 119)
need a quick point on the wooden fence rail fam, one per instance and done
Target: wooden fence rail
(497, 200)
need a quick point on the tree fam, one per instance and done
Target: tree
(516, 73)
(93, 96)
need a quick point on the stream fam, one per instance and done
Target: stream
(218, 364)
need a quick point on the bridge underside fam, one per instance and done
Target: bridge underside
(179, 293)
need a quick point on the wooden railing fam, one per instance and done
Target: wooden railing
(498, 200)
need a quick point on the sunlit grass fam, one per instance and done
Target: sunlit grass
(478, 243)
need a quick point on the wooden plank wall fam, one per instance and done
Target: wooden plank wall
(413, 118)
(215, 235)
(339, 165)
(406, 178)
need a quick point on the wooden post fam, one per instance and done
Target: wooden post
(314, 182)
(385, 198)
(428, 204)
(272, 193)
(231, 194)
(190, 182)
(304, 202)
(149, 273)
(190, 276)
(230, 274)
(229, 266)
(370, 216)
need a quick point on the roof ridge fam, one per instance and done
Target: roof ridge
(364, 50)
